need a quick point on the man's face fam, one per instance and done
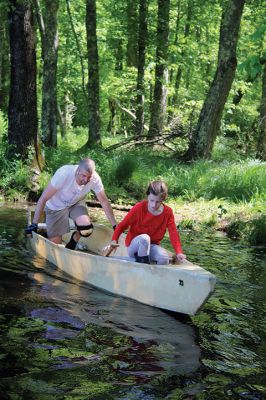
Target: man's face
(82, 176)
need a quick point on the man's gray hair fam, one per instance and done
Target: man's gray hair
(87, 165)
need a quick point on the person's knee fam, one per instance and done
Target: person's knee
(144, 240)
(84, 225)
(85, 230)
(83, 220)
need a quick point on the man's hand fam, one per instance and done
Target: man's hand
(107, 250)
(180, 257)
(32, 228)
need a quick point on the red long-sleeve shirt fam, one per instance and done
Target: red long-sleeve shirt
(139, 220)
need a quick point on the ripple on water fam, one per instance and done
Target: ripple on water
(62, 339)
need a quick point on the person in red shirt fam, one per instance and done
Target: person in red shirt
(147, 223)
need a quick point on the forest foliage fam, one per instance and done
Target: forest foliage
(189, 66)
(141, 87)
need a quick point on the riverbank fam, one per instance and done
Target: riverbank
(244, 221)
(239, 221)
(226, 193)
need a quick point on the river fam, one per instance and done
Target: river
(61, 339)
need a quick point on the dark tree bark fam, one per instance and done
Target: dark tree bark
(4, 59)
(61, 120)
(141, 66)
(210, 117)
(93, 82)
(132, 22)
(111, 123)
(158, 109)
(49, 35)
(22, 110)
(261, 147)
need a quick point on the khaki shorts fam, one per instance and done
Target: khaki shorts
(57, 221)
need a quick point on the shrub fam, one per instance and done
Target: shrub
(253, 231)
(236, 182)
(236, 229)
(3, 125)
(124, 170)
(257, 231)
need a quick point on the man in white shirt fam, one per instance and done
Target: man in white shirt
(64, 197)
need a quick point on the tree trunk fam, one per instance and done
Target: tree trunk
(22, 110)
(132, 22)
(111, 123)
(2, 40)
(93, 82)
(62, 121)
(49, 35)
(141, 67)
(172, 72)
(210, 117)
(158, 110)
(4, 62)
(118, 53)
(261, 147)
(79, 50)
(179, 72)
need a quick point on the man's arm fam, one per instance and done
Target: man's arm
(46, 195)
(105, 203)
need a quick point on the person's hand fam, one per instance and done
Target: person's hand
(180, 257)
(107, 250)
(32, 228)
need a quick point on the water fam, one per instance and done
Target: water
(64, 340)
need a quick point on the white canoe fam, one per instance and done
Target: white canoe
(183, 287)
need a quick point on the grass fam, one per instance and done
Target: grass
(227, 195)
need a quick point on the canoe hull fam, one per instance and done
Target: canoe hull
(181, 288)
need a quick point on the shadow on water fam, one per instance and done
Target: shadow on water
(62, 339)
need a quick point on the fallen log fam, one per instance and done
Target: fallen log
(97, 204)
(146, 140)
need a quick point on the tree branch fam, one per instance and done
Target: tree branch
(146, 140)
(128, 112)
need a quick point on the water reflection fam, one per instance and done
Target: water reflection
(61, 339)
(146, 326)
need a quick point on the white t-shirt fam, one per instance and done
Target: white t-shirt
(69, 192)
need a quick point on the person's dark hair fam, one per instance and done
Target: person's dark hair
(158, 188)
(87, 165)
